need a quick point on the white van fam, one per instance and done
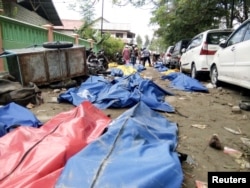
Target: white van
(231, 63)
(198, 56)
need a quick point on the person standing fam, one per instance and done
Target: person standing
(146, 56)
(137, 54)
(126, 54)
(133, 55)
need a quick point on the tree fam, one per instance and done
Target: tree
(157, 44)
(187, 18)
(138, 41)
(111, 46)
(86, 9)
(241, 10)
(147, 41)
(179, 19)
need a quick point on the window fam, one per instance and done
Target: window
(247, 35)
(217, 37)
(238, 36)
(195, 42)
(119, 35)
(177, 46)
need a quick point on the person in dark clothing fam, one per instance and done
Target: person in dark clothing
(133, 55)
(146, 57)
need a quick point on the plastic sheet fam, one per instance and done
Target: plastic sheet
(120, 93)
(138, 150)
(183, 82)
(13, 115)
(35, 156)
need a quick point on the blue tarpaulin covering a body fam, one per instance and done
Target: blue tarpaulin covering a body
(13, 115)
(183, 82)
(137, 150)
(160, 67)
(120, 93)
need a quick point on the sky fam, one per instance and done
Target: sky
(138, 18)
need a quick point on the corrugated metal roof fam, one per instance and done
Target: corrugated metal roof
(70, 24)
(44, 8)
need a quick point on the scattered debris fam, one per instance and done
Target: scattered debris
(244, 105)
(236, 109)
(219, 88)
(233, 131)
(199, 126)
(210, 86)
(238, 155)
(245, 117)
(30, 106)
(53, 100)
(232, 152)
(215, 142)
(182, 98)
(243, 163)
(186, 158)
(13, 91)
(190, 160)
(38, 111)
(245, 141)
(200, 184)
(57, 90)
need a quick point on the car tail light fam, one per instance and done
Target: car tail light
(205, 51)
(169, 55)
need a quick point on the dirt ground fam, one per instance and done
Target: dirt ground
(199, 116)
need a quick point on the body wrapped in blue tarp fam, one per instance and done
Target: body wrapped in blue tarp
(137, 150)
(120, 93)
(183, 82)
(13, 115)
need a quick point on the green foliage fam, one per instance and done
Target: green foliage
(111, 46)
(87, 32)
(85, 8)
(138, 41)
(187, 18)
(158, 45)
(179, 19)
(147, 41)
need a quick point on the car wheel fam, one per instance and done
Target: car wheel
(214, 75)
(193, 71)
(57, 44)
(245, 105)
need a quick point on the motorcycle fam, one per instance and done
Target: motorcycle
(119, 59)
(97, 62)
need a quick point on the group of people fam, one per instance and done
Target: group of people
(133, 54)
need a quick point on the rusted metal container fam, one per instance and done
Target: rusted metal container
(43, 66)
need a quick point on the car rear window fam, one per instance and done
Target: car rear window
(185, 43)
(216, 38)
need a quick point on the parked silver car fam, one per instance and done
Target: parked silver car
(231, 62)
(167, 56)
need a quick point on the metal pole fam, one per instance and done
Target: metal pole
(102, 17)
